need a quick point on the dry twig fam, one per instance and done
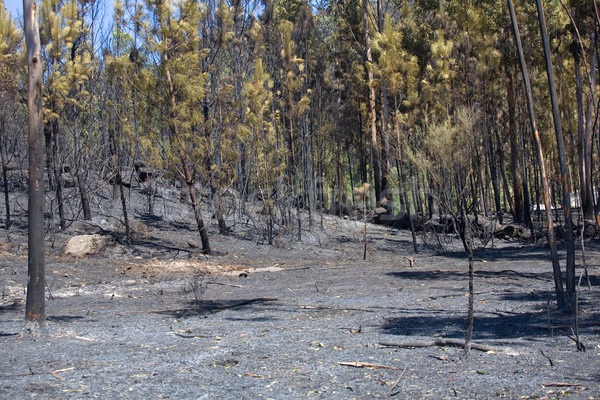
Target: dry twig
(440, 342)
(358, 364)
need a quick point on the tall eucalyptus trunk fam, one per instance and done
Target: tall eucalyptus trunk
(565, 176)
(558, 283)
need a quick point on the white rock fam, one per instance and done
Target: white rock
(83, 245)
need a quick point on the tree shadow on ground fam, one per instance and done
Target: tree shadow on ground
(206, 307)
(531, 325)
(518, 252)
(495, 325)
(447, 274)
(533, 253)
(64, 318)
(14, 306)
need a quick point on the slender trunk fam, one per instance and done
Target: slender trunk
(116, 150)
(467, 241)
(525, 183)
(350, 174)
(402, 192)
(340, 178)
(79, 165)
(515, 167)
(372, 110)
(35, 309)
(4, 172)
(551, 238)
(189, 180)
(584, 128)
(493, 162)
(385, 154)
(468, 245)
(565, 178)
(338, 148)
(482, 197)
(589, 126)
(56, 171)
(500, 168)
(242, 164)
(386, 193)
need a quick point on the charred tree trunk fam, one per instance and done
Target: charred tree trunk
(565, 176)
(493, 163)
(525, 183)
(79, 166)
(35, 309)
(56, 172)
(515, 166)
(118, 179)
(4, 172)
(551, 238)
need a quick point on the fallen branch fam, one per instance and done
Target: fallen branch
(580, 345)
(547, 358)
(190, 336)
(84, 338)
(225, 284)
(254, 376)
(393, 391)
(441, 342)
(55, 373)
(560, 384)
(358, 364)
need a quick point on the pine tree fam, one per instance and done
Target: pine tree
(10, 54)
(177, 87)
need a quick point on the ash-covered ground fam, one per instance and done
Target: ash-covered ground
(294, 320)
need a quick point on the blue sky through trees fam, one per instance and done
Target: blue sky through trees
(15, 7)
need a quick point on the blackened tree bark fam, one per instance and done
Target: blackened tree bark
(35, 309)
(565, 176)
(4, 173)
(558, 284)
(515, 166)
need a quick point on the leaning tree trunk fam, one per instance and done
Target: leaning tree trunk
(35, 309)
(560, 296)
(565, 176)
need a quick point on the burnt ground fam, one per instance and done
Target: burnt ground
(158, 319)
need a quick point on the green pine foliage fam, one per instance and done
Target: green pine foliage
(275, 97)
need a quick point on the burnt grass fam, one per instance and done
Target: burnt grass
(298, 319)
